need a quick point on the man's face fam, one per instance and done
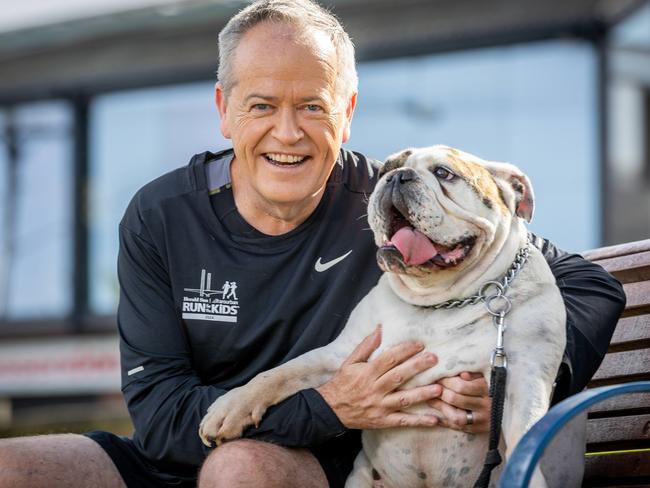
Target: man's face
(284, 115)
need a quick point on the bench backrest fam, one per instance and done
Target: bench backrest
(619, 429)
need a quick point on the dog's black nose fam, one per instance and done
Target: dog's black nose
(401, 176)
(407, 174)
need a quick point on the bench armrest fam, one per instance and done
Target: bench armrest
(530, 448)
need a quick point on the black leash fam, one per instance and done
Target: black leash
(498, 395)
(498, 376)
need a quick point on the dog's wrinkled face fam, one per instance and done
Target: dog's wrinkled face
(437, 209)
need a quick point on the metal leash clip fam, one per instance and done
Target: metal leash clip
(498, 305)
(499, 357)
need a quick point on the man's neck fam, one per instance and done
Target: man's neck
(270, 218)
(273, 220)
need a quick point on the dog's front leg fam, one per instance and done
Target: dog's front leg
(361, 475)
(232, 412)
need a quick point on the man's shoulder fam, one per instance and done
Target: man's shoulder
(359, 172)
(177, 182)
(167, 188)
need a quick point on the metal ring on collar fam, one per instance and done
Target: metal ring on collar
(501, 311)
(486, 286)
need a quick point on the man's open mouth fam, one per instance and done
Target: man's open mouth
(418, 250)
(280, 159)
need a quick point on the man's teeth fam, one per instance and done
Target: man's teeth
(284, 158)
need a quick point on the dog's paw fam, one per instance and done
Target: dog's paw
(229, 415)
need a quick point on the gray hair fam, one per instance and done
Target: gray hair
(303, 14)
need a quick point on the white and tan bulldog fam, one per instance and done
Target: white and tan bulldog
(446, 223)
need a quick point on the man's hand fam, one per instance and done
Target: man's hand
(462, 395)
(364, 394)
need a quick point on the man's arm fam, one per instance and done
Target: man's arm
(165, 396)
(594, 301)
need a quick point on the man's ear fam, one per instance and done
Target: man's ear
(349, 112)
(222, 107)
(515, 188)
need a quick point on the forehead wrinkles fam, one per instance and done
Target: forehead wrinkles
(287, 52)
(479, 179)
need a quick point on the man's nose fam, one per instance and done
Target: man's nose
(287, 127)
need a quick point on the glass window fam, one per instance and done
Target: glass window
(534, 105)
(634, 31)
(135, 137)
(5, 216)
(628, 158)
(36, 267)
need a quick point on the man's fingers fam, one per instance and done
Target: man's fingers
(390, 358)
(405, 370)
(456, 418)
(461, 394)
(465, 402)
(365, 348)
(467, 376)
(405, 398)
(475, 387)
(400, 419)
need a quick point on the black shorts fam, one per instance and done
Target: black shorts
(336, 457)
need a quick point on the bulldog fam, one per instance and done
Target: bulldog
(448, 225)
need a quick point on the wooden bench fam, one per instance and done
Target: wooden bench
(618, 425)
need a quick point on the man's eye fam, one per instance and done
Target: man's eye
(313, 108)
(261, 106)
(443, 173)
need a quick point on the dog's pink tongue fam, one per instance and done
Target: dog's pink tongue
(415, 247)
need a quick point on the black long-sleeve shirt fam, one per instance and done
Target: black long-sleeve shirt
(207, 302)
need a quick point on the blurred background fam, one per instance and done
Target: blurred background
(97, 97)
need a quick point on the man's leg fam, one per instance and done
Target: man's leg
(247, 463)
(56, 461)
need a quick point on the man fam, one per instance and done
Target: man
(279, 219)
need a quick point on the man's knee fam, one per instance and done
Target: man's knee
(55, 461)
(254, 463)
(16, 464)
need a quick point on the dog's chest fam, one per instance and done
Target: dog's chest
(462, 339)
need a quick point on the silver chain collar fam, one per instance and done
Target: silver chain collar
(497, 303)
(501, 286)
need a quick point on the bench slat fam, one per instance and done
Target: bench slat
(631, 330)
(616, 466)
(617, 250)
(618, 365)
(632, 427)
(623, 422)
(639, 402)
(638, 298)
(627, 269)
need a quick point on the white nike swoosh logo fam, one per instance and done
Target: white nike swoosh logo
(320, 267)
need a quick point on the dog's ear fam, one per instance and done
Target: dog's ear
(395, 161)
(515, 188)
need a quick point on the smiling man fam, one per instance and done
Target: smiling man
(287, 117)
(245, 259)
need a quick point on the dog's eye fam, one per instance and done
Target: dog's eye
(444, 173)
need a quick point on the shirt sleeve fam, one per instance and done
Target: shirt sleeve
(165, 396)
(594, 301)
